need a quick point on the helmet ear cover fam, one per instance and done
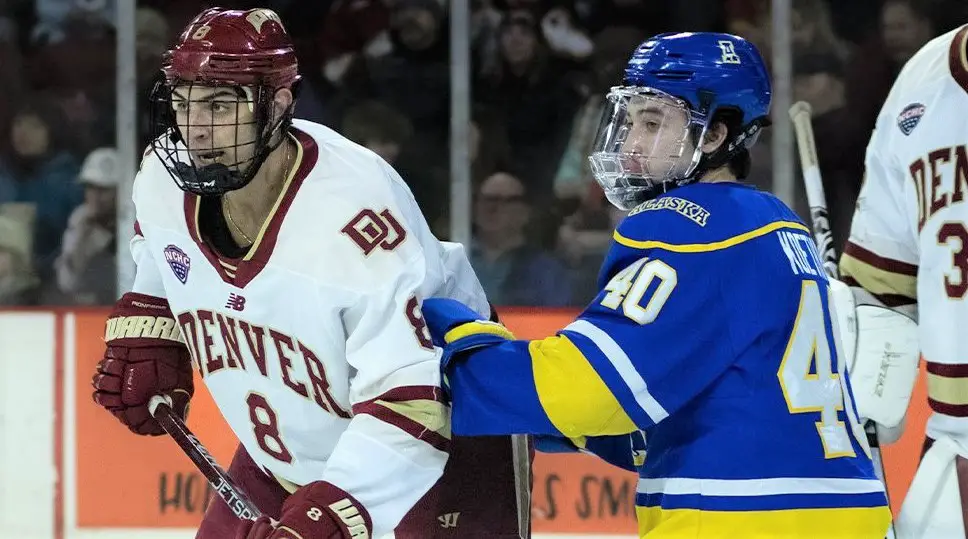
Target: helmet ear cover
(734, 150)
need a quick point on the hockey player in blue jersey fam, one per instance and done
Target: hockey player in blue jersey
(712, 333)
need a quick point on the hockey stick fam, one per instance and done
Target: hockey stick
(800, 115)
(160, 408)
(521, 460)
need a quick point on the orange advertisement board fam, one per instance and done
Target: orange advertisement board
(129, 481)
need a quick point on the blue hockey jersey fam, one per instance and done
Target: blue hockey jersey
(713, 334)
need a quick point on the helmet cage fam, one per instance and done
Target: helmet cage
(213, 170)
(646, 142)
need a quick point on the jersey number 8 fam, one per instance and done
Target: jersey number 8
(265, 427)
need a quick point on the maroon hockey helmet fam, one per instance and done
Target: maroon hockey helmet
(233, 47)
(248, 50)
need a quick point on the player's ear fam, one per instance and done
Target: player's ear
(281, 101)
(714, 137)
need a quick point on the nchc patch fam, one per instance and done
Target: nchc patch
(908, 119)
(179, 262)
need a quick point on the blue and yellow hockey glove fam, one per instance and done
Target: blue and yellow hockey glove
(457, 328)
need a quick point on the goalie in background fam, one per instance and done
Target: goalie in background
(907, 265)
(712, 331)
(285, 264)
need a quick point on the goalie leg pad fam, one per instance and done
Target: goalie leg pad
(934, 505)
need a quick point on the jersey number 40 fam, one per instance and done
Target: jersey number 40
(807, 377)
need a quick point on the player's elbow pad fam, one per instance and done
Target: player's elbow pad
(880, 347)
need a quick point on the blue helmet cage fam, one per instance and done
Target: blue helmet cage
(713, 73)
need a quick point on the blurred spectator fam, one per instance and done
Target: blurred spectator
(36, 168)
(379, 127)
(535, 99)
(905, 26)
(813, 31)
(564, 37)
(489, 150)
(819, 80)
(78, 71)
(86, 266)
(650, 17)
(18, 283)
(55, 16)
(349, 29)
(750, 19)
(612, 48)
(583, 239)
(511, 269)
(152, 38)
(415, 81)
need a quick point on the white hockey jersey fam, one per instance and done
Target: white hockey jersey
(313, 345)
(909, 242)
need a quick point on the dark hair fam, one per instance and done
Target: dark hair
(740, 163)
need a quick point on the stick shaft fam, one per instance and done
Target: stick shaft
(233, 496)
(800, 114)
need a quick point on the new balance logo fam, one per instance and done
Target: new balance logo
(235, 302)
(448, 520)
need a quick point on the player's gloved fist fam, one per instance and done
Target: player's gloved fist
(318, 510)
(145, 356)
(456, 327)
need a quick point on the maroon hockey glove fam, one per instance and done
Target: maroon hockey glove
(145, 356)
(318, 510)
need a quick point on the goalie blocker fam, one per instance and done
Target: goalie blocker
(881, 352)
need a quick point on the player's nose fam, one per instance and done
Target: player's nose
(632, 145)
(199, 132)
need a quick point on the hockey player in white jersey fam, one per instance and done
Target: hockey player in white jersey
(907, 263)
(287, 266)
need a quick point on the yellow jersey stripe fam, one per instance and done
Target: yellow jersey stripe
(623, 365)
(431, 414)
(562, 373)
(706, 247)
(878, 280)
(476, 328)
(282, 194)
(836, 523)
(949, 390)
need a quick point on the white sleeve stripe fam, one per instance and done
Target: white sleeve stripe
(620, 360)
(758, 487)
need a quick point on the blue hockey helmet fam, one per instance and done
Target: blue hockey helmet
(675, 85)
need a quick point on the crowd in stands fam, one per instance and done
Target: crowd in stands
(378, 71)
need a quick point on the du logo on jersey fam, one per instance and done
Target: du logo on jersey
(179, 262)
(729, 52)
(908, 119)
